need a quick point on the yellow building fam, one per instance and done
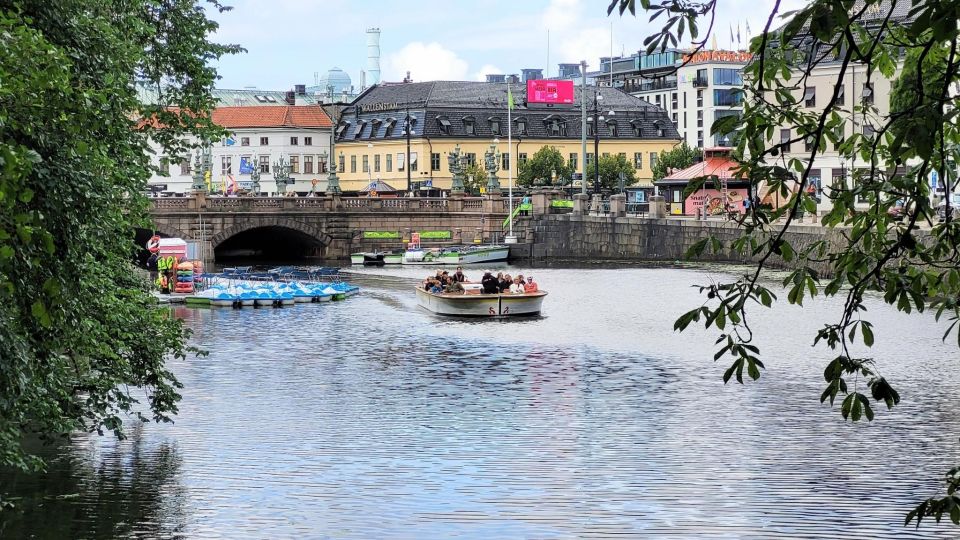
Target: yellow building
(372, 143)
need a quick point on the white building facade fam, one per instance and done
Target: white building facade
(259, 138)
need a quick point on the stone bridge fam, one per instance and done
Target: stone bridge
(329, 227)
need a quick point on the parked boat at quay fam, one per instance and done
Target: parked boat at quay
(473, 304)
(376, 258)
(457, 255)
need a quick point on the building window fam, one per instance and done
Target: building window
(469, 159)
(657, 98)
(727, 97)
(521, 158)
(244, 141)
(653, 160)
(612, 127)
(810, 96)
(365, 163)
(838, 135)
(505, 160)
(558, 128)
(341, 129)
(699, 119)
(376, 163)
(573, 161)
(700, 98)
(321, 164)
(867, 95)
(389, 162)
(699, 140)
(589, 159)
(784, 140)
(308, 141)
(400, 161)
(353, 164)
(294, 141)
(264, 164)
(727, 77)
(808, 143)
(638, 160)
(164, 166)
(435, 161)
(495, 126)
(868, 131)
(295, 164)
(226, 165)
(185, 166)
(590, 129)
(444, 124)
(521, 127)
(307, 164)
(673, 99)
(413, 161)
(840, 97)
(264, 141)
(341, 166)
(360, 126)
(391, 122)
(375, 127)
(469, 126)
(684, 100)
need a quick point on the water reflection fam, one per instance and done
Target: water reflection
(371, 418)
(99, 489)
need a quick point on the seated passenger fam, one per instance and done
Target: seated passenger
(505, 283)
(530, 286)
(435, 288)
(454, 287)
(516, 287)
(458, 275)
(490, 284)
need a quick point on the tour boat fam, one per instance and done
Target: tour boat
(457, 255)
(481, 305)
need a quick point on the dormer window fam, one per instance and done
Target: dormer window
(388, 131)
(659, 127)
(521, 126)
(360, 126)
(444, 123)
(556, 126)
(342, 128)
(375, 127)
(590, 129)
(637, 127)
(469, 125)
(612, 126)
(494, 125)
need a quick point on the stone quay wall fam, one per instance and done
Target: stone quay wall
(573, 236)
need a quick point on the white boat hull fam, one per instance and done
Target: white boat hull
(481, 305)
(456, 256)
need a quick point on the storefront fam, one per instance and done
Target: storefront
(721, 192)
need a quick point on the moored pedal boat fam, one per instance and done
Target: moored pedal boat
(481, 305)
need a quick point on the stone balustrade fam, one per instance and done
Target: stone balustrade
(470, 205)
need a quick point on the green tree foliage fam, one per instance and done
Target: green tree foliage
(611, 167)
(912, 269)
(678, 157)
(474, 178)
(81, 338)
(545, 167)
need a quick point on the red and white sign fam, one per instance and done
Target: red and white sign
(553, 92)
(712, 200)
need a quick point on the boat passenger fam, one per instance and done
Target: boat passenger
(517, 286)
(505, 283)
(435, 288)
(458, 275)
(530, 286)
(454, 287)
(490, 284)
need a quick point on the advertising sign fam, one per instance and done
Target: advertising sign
(246, 165)
(713, 200)
(381, 235)
(414, 241)
(435, 235)
(550, 92)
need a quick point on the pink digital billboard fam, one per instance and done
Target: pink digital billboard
(552, 92)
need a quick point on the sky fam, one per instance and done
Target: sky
(289, 41)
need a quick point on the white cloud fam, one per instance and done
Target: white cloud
(487, 69)
(562, 15)
(425, 62)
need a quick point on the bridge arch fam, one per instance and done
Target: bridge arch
(277, 238)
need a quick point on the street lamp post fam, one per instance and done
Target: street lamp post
(597, 118)
(369, 170)
(406, 129)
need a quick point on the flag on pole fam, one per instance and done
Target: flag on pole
(738, 32)
(748, 29)
(731, 35)
(509, 98)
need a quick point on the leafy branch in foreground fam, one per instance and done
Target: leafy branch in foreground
(894, 147)
(82, 340)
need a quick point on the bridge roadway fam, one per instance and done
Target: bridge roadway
(331, 227)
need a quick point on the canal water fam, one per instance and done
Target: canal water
(371, 418)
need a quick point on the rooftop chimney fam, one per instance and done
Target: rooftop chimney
(300, 89)
(291, 98)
